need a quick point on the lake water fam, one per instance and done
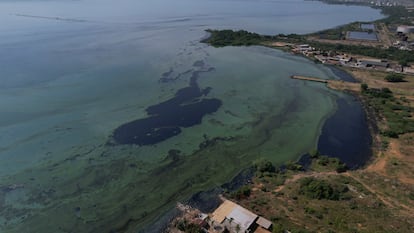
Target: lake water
(72, 72)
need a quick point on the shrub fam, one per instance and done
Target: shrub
(264, 166)
(294, 166)
(242, 192)
(320, 189)
(314, 154)
(341, 167)
(364, 87)
(394, 78)
(390, 133)
(323, 160)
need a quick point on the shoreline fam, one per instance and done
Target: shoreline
(336, 85)
(371, 117)
(206, 201)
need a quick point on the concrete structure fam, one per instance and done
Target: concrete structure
(405, 29)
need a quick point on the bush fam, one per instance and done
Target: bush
(385, 93)
(390, 133)
(242, 192)
(264, 166)
(320, 189)
(364, 87)
(294, 166)
(394, 78)
(341, 167)
(323, 160)
(314, 154)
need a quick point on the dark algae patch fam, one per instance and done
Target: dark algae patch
(187, 108)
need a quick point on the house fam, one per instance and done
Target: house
(304, 48)
(236, 219)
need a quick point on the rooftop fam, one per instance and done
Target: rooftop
(243, 217)
(222, 211)
(264, 223)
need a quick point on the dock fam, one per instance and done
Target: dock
(306, 78)
(333, 84)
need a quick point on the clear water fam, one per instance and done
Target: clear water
(71, 72)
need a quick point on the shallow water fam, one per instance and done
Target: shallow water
(75, 71)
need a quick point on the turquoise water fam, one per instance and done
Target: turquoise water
(71, 72)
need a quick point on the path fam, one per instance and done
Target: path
(388, 201)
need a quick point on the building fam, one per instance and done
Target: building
(304, 48)
(405, 29)
(373, 63)
(237, 219)
(409, 70)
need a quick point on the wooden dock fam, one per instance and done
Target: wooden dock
(306, 78)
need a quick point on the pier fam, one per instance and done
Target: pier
(306, 78)
(333, 84)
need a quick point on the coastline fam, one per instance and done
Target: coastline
(344, 76)
(206, 201)
(353, 88)
(118, 189)
(211, 198)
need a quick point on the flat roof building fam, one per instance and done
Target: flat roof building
(373, 63)
(235, 218)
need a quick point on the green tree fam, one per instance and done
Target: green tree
(403, 62)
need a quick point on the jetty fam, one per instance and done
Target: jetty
(333, 84)
(307, 78)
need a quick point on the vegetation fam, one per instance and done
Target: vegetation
(221, 38)
(321, 189)
(364, 87)
(326, 205)
(185, 226)
(394, 78)
(390, 53)
(242, 192)
(264, 165)
(397, 14)
(293, 166)
(322, 163)
(338, 33)
(398, 116)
